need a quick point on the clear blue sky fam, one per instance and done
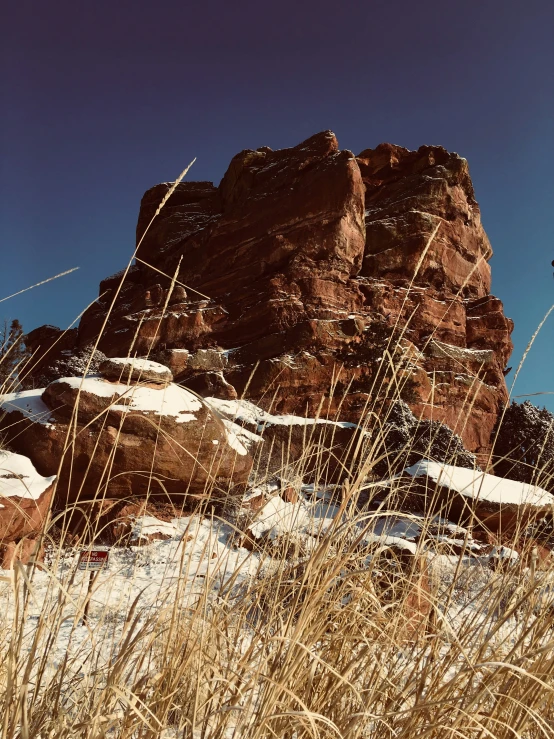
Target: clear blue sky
(101, 100)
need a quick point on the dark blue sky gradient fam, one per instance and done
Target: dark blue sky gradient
(101, 100)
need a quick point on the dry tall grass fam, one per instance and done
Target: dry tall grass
(343, 640)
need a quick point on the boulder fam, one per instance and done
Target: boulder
(496, 504)
(116, 440)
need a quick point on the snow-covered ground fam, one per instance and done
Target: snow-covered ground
(195, 556)
(193, 553)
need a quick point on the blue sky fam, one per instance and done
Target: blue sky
(103, 100)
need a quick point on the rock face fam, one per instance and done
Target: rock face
(298, 256)
(25, 498)
(118, 440)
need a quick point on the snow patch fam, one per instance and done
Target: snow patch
(146, 526)
(143, 365)
(245, 412)
(239, 438)
(19, 478)
(30, 404)
(505, 554)
(172, 401)
(277, 517)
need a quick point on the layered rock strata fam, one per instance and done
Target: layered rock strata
(285, 269)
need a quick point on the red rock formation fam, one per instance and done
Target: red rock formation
(301, 252)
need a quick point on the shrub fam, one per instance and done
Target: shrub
(524, 444)
(405, 440)
(13, 354)
(382, 360)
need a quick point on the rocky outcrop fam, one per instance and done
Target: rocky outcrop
(114, 440)
(286, 272)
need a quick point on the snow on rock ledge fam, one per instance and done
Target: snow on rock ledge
(30, 405)
(248, 414)
(480, 485)
(25, 497)
(326, 447)
(135, 369)
(97, 395)
(19, 478)
(497, 503)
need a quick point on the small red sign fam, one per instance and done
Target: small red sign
(93, 560)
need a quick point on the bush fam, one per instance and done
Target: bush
(406, 440)
(524, 446)
(13, 355)
(69, 364)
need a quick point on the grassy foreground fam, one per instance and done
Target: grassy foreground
(338, 639)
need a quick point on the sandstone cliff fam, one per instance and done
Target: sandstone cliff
(291, 267)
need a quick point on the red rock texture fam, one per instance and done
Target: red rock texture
(300, 251)
(25, 550)
(111, 446)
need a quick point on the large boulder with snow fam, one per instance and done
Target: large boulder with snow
(116, 439)
(494, 503)
(315, 448)
(25, 498)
